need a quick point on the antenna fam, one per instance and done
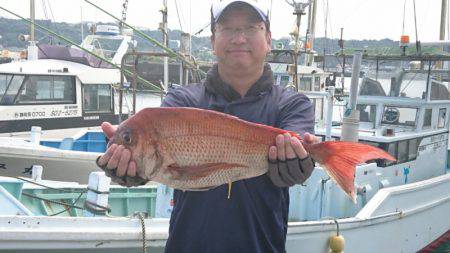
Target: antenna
(124, 15)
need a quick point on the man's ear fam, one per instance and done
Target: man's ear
(269, 41)
(213, 39)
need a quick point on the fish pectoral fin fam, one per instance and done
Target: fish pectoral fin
(193, 172)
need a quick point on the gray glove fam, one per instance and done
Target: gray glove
(290, 172)
(125, 180)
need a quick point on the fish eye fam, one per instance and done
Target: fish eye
(127, 138)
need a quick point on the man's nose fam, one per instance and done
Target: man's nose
(238, 37)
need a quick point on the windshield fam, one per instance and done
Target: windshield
(104, 46)
(9, 87)
(404, 79)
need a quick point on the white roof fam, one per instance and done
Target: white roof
(301, 69)
(85, 73)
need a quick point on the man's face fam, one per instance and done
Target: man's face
(240, 39)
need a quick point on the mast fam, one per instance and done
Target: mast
(312, 30)
(443, 19)
(163, 28)
(32, 19)
(32, 51)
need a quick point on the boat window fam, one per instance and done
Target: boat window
(305, 83)
(412, 85)
(97, 98)
(442, 116)
(402, 155)
(47, 89)
(399, 116)
(367, 113)
(438, 91)
(284, 80)
(106, 46)
(317, 83)
(391, 149)
(318, 108)
(427, 118)
(412, 149)
(4, 80)
(13, 83)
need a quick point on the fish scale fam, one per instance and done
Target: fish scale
(196, 149)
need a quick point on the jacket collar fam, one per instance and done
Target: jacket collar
(215, 85)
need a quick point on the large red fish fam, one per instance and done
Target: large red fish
(195, 149)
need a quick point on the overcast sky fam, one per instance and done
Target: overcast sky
(361, 19)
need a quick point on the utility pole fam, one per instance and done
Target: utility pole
(163, 28)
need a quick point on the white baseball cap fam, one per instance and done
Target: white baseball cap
(218, 7)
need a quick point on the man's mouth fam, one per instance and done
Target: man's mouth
(238, 51)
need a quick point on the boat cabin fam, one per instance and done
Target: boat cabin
(64, 88)
(405, 113)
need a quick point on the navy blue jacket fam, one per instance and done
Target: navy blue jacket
(255, 218)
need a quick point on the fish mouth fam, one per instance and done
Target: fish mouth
(154, 173)
(156, 167)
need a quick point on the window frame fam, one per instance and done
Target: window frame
(111, 101)
(16, 101)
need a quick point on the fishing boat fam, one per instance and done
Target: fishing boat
(63, 87)
(401, 206)
(62, 96)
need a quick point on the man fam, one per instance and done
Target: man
(255, 218)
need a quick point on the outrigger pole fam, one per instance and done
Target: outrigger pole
(81, 48)
(145, 36)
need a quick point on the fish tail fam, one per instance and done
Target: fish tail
(340, 159)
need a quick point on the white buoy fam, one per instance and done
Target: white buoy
(36, 172)
(97, 195)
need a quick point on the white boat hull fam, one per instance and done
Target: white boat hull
(397, 219)
(61, 165)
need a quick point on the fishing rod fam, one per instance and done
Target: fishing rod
(81, 48)
(145, 36)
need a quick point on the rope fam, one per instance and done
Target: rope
(67, 208)
(96, 209)
(52, 201)
(45, 186)
(144, 240)
(337, 226)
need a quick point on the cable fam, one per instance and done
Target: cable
(178, 15)
(270, 13)
(415, 24)
(204, 27)
(404, 12)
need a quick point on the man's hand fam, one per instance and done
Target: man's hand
(289, 163)
(117, 163)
